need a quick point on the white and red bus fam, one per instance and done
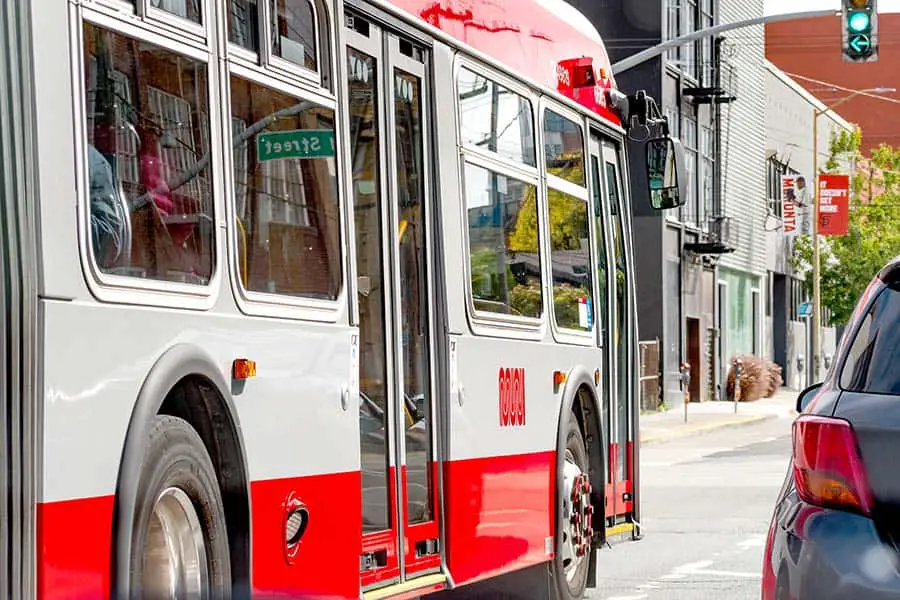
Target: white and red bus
(314, 298)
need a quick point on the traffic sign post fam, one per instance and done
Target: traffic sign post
(859, 19)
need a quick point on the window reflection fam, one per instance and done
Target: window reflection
(495, 118)
(151, 205)
(285, 193)
(186, 9)
(504, 259)
(243, 24)
(564, 148)
(570, 257)
(294, 32)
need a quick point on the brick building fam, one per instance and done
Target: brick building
(812, 48)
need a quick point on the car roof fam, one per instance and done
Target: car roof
(890, 274)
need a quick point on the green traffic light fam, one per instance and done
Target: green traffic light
(859, 22)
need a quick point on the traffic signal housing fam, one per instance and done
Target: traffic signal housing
(859, 19)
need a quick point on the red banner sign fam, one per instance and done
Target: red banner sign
(789, 206)
(834, 204)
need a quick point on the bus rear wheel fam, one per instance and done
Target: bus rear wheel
(575, 528)
(179, 545)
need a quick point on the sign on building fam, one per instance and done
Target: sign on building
(834, 204)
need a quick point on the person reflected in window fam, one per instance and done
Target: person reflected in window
(107, 219)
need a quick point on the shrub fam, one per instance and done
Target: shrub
(760, 378)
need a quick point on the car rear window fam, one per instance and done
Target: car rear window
(873, 361)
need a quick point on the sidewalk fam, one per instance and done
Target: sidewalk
(709, 416)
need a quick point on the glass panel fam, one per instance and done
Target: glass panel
(186, 9)
(602, 258)
(564, 148)
(374, 395)
(494, 118)
(243, 24)
(289, 218)
(151, 204)
(622, 337)
(294, 32)
(871, 365)
(504, 256)
(570, 255)
(413, 294)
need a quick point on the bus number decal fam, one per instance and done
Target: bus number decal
(512, 397)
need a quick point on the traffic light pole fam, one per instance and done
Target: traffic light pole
(651, 53)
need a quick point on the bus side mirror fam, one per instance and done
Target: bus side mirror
(665, 173)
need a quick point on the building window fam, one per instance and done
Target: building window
(691, 208)
(707, 177)
(673, 19)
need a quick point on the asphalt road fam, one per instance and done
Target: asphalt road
(707, 500)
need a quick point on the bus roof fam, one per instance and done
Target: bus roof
(548, 41)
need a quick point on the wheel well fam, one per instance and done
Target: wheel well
(197, 400)
(588, 417)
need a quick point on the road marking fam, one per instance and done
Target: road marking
(757, 541)
(641, 597)
(701, 567)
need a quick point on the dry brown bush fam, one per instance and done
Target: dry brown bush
(760, 378)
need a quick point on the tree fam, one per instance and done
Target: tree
(849, 262)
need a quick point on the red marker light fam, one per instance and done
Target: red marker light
(559, 378)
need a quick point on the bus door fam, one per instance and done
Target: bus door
(392, 202)
(616, 335)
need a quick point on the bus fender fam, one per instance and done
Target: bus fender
(176, 363)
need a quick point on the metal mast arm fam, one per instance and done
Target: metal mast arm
(650, 53)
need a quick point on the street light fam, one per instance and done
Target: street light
(817, 275)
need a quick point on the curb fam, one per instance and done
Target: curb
(654, 438)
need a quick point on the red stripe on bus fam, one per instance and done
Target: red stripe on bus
(74, 549)
(327, 563)
(499, 513)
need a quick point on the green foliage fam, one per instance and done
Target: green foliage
(568, 217)
(849, 262)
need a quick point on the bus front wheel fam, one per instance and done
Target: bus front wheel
(179, 544)
(574, 528)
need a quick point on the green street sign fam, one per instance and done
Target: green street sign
(298, 143)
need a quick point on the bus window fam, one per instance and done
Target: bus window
(494, 118)
(570, 256)
(151, 205)
(564, 148)
(286, 193)
(294, 32)
(243, 24)
(569, 224)
(186, 9)
(504, 256)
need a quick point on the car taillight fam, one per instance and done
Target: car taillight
(828, 468)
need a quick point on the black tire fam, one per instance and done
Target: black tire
(176, 457)
(575, 589)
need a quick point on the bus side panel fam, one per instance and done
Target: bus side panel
(500, 477)
(299, 440)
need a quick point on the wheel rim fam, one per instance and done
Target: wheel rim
(175, 563)
(578, 515)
